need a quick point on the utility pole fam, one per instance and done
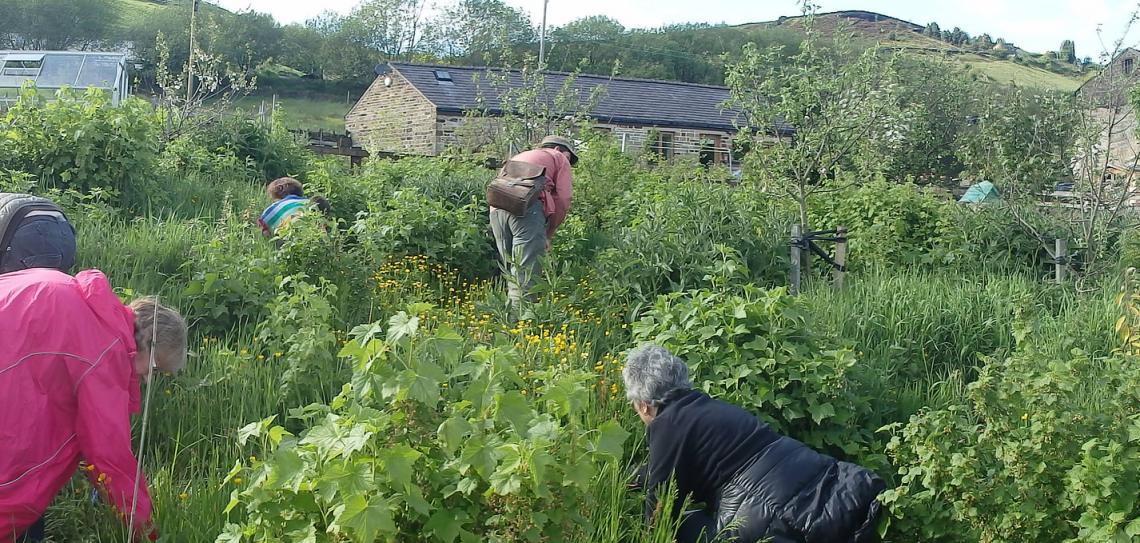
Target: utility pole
(542, 35)
(190, 64)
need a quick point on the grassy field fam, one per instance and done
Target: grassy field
(303, 113)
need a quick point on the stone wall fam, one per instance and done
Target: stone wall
(687, 144)
(1111, 86)
(456, 131)
(394, 119)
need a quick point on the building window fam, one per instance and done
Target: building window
(713, 150)
(661, 144)
(1128, 66)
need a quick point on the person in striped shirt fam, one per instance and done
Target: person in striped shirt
(288, 203)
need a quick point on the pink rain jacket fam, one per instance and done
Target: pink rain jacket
(67, 391)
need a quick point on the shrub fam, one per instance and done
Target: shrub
(431, 440)
(984, 238)
(755, 349)
(231, 277)
(666, 236)
(410, 224)
(298, 330)
(1043, 449)
(887, 223)
(268, 151)
(79, 142)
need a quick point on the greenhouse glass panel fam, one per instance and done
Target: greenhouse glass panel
(59, 71)
(99, 71)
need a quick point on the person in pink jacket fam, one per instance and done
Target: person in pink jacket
(523, 241)
(72, 358)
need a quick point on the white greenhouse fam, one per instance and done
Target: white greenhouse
(54, 70)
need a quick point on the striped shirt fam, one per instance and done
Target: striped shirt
(281, 212)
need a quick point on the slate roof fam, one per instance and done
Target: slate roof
(666, 104)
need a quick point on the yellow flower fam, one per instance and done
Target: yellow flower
(183, 496)
(237, 480)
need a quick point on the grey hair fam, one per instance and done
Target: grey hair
(165, 328)
(651, 373)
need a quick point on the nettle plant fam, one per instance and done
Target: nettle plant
(431, 440)
(754, 348)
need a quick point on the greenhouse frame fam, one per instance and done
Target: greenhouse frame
(50, 71)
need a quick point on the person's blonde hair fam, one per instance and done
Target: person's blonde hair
(163, 326)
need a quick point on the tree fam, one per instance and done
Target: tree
(833, 97)
(470, 28)
(918, 138)
(933, 31)
(392, 28)
(595, 28)
(984, 42)
(339, 56)
(56, 24)
(1068, 52)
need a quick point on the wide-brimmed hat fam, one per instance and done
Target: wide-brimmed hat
(550, 141)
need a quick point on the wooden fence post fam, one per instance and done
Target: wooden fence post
(1061, 259)
(840, 256)
(795, 261)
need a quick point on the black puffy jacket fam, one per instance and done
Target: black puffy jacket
(756, 483)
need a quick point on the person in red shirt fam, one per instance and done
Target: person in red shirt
(523, 241)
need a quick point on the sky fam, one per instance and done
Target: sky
(1034, 25)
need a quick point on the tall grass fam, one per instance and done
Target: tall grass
(919, 334)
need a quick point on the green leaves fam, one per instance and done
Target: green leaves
(401, 325)
(610, 438)
(366, 518)
(424, 461)
(755, 349)
(332, 439)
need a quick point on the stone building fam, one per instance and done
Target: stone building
(423, 109)
(1107, 95)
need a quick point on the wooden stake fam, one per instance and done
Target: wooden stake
(840, 256)
(1061, 259)
(795, 261)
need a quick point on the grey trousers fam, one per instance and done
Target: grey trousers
(522, 243)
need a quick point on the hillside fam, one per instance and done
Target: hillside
(1005, 65)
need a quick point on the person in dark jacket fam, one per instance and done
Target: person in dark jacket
(755, 484)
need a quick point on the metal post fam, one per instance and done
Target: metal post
(190, 64)
(1061, 259)
(542, 37)
(794, 276)
(840, 256)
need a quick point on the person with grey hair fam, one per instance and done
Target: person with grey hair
(755, 484)
(72, 359)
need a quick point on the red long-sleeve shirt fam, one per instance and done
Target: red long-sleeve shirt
(559, 184)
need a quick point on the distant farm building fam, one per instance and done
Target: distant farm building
(1107, 94)
(50, 71)
(421, 109)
